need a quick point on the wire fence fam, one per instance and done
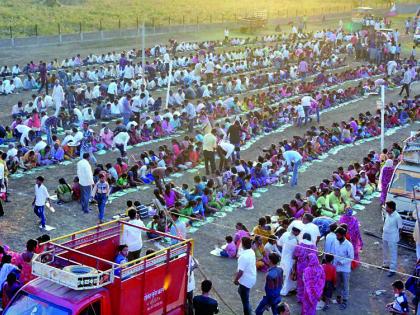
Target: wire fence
(107, 29)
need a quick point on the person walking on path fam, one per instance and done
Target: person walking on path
(273, 285)
(41, 197)
(209, 150)
(391, 237)
(100, 193)
(85, 175)
(406, 82)
(344, 255)
(293, 158)
(314, 281)
(247, 274)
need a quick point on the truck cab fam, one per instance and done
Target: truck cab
(405, 184)
(76, 275)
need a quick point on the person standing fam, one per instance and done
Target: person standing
(406, 82)
(191, 114)
(247, 274)
(314, 282)
(391, 237)
(42, 68)
(288, 242)
(204, 304)
(86, 142)
(209, 150)
(132, 235)
(344, 255)
(100, 193)
(273, 285)
(85, 175)
(293, 158)
(58, 97)
(234, 133)
(41, 197)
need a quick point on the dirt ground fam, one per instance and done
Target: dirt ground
(20, 223)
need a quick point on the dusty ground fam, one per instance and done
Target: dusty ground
(20, 223)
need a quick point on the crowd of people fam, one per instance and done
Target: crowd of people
(284, 246)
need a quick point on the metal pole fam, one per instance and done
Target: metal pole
(382, 117)
(143, 53)
(169, 85)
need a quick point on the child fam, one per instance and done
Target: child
(249, 203)
(77, 193)
(129, 207)
(330, 280)
(400, 305)
(142, 210)
(230, 249)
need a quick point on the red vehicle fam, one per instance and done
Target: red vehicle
(76, 275)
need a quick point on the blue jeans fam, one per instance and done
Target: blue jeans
(266, 301)
(101, 199)
(39, 211)
(295, 173)
(244, 294)
(343, 284)
(85, 196)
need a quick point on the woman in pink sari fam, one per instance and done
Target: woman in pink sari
(24, 260)
(385, 178)
(301, 255)
(353, 231)
(106, 137)
(241, 231)
(314, 281)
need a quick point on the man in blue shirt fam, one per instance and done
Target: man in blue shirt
(273, 285)
(203, 304)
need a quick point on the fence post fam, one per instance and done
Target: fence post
(80, 31)
(119, 25)
(169, 20)
(60, 38)
(36, 30)
(198, 25)
(12, 40)
(137, 25)
(101, 30)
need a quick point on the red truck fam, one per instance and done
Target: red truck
(76, 275)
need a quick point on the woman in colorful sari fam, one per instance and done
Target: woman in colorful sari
(353, 231)
(260, 254)
(301, 253)
(385, 178)
(314, 281)
(241, 231)
(25, 261)
(106, 137)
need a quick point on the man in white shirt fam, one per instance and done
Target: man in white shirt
(112, 90)
(25, 134)
(247, 274)
(311, 228)
(41, 197)
(306, 103)
(209, 150)
(40, 145)
(58, 97)
(391, 237)
(132, 235)
(293, 157)
(84, 172)
(120, 141)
